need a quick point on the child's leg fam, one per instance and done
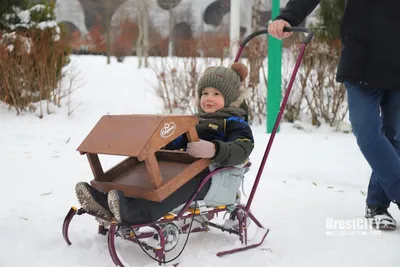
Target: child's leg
(139, 211)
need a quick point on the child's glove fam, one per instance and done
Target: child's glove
(201, 149)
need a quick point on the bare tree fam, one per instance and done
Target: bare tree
(169, 5)
(107, 6)
(256, 54)
(142, 43)
(136, 11)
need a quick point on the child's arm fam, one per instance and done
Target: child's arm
(239, 145)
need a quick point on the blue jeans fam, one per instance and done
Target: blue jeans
(375, 119)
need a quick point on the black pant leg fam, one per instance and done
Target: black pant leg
(151, 211)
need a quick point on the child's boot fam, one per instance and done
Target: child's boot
(121, 209)
(92, 200)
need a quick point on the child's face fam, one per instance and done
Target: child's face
(211, 100)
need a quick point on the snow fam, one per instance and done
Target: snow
(313, 180)
(11, 38)
(37, 8)
(24, 16)
(10, 47)
(47, 24)
(11, 35)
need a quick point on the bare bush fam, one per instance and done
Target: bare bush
(70, 83)
(177, 82)
(31, 67)
(256, 53)
(316, 92)
(296, 104)
(257, 103)
(257, 81)
(32, 56)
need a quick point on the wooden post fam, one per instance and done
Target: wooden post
(154, 170)
(192, 135)
(95, 165)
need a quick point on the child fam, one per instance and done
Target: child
(225, 138)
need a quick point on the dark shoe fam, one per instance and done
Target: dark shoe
(93, 201)
(123, 212)
(381, 218)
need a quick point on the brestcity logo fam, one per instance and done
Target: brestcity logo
(359, 226)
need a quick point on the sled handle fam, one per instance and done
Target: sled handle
(310, 35)
(309, 32)
(284, 101)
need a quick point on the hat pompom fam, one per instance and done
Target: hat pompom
(241, 70)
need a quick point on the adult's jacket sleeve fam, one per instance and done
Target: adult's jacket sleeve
(297, 10)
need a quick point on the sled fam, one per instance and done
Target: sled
(163, 235)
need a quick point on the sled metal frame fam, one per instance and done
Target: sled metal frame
(242, 212)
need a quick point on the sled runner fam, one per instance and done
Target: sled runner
(152, 173)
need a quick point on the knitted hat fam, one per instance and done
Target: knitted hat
(226, 80)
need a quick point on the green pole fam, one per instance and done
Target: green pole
(274, 94)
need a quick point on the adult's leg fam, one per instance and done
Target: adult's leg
(391, 127)
(391, 117)
(390, 110)
(376, 195)
(364, 112)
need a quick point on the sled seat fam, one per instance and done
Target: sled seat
(200, 206)
(148, 171)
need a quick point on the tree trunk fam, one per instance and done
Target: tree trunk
(139, 41)
(171, 34)
(142, 43)
(107, 6)
(145, 26)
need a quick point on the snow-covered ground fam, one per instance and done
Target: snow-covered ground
(312, 181)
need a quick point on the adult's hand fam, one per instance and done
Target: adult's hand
(275, 28)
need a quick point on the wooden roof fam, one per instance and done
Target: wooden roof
(135, 135)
